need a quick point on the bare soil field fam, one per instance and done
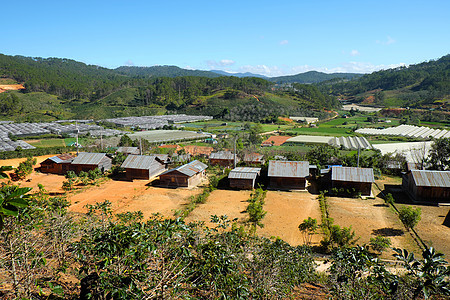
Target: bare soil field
(287, 210)
(370, 218)
(14, 162)
(133, 196)
(431, 230)
(222, 202)
(11, 87)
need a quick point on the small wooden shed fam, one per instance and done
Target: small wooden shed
(243, 177)
(188, 175)
(129, 150)
(253, 159)
(288, 175)
(86, 161)
(58, 164)
(142, 166)
(348, 178)
(223, 158)
(427, 185)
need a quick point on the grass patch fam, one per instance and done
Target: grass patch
(48, 143)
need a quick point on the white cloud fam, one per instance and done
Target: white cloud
(347, 67)
(354, 53)
(221, 63)
(129, 63)
(389, 40)
(284, 42)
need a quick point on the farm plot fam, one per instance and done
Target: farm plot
(222, 202)
(132, 196)
(287, 210)
(431, 230)
(369, 218)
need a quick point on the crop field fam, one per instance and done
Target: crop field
(47, 143)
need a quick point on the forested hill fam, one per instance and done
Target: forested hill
(63, 89)
(313, 77)
(64, 78)
(163, 71)
(416, 84)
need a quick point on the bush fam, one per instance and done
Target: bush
(380, 243)
(409, 216)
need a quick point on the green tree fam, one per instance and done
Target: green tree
(439, 157)
(11, 199)
(380, 243)
(430, 275)
(25, 168)
(308, 228)
(3, 170)
(409, 216)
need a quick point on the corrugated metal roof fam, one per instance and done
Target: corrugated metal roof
(162, 157)
(352, 174)
(141, 162)
(244, 173)
(190, 169)
(221, 155)
(67, 158)
(253, 157)
(290, 169)
(85, 158)
(130, 150)
(431, 178)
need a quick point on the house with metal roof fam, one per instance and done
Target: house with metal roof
(223, 158)
(188, 175)
(253, 159)
(290, 175)
(129, 150)
(86, 161)
(351, 178)
(427, 185)
(58, 164)
(142, 166)
(243, 177)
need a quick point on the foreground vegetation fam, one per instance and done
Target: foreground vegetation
(48, 252)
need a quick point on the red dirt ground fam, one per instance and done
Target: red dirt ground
(368, 215)
(278, 140)
(11, 87)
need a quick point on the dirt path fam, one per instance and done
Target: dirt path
(287, 210)
(370, 218)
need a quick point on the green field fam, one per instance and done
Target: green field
(47, 143)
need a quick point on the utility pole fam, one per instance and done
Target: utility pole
(359, 150)
(78, 132)
(140, 146)
(234, 157)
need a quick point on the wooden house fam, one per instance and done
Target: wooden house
(243, 177)
(427, 185)
(253, 159)
(58, 164)
(348, 178)
(188, 175)
(223, 158)
(289, 175)
(86, 161)
(129, 150)
(143, 166)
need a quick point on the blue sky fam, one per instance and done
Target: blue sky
(267, 37)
